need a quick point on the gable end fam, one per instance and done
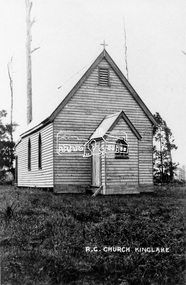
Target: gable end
(129, 123)
(105, 81)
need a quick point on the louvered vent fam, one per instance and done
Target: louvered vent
(103, 76)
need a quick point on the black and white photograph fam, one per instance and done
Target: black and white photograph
(92, 142)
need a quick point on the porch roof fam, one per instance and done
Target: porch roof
(108, 123)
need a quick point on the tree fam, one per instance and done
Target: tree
(6, 145)
(9, 67)
(10, 75)
(29, 24)
(162, 153)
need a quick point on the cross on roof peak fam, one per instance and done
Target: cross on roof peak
(104, 45)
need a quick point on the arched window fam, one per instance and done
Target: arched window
(39, 152)
(121, 149)
(29, 154)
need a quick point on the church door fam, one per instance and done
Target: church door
(96, 166)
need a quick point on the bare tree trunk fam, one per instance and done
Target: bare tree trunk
(29, 24)
(29, 63)
(9, 67)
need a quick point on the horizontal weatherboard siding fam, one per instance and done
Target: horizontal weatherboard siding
(83, 113)
(36, 177)
(121, 172)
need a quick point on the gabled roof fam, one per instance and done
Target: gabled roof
(109, 123)
(103, 54)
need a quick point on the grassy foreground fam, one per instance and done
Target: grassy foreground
(45, 238)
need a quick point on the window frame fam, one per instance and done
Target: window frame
(39, 152)
(29, 154)
(122, 155)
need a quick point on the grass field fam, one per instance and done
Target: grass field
(77, 239)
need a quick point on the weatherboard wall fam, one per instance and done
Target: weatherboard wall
(122, 175)
(36, 177)
(81, 116)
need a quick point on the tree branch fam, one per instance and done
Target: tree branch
(35, 49)
(8, 67)
(33, 22)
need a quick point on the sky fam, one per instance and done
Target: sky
(69, 34)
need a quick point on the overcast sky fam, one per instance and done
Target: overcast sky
(69, 34)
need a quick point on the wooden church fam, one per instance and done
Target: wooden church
(99, 138)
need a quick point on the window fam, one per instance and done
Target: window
(104, 76)
(29, 154)
(39, 152)
(121, 149)
(16, 169)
